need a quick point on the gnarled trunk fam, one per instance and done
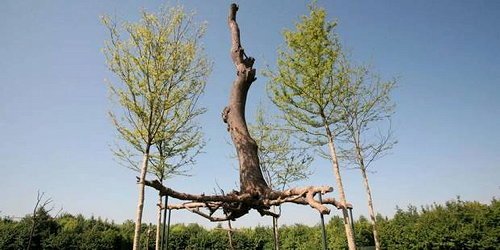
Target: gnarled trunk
(251, 178)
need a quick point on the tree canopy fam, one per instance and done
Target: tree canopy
(162, 71)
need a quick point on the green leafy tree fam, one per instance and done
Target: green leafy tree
(363, 232)
(300, 237)
(181, 144)
(281, 159)
(160, 64)
(43, 227)
(366, 105)
(335, 231)
(39, 209)
(306, 86)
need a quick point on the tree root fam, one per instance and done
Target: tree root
(235, 204)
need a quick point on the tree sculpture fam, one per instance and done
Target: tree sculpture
(254, 192)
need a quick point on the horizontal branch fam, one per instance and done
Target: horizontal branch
(235, 204)
(231, 197)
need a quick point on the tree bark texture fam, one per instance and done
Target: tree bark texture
(251, 178)
(140, 203)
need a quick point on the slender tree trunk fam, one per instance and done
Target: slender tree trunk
(276, 234)
(149, 232)
(276, 231)
(230, 235)
(140, 204)
(371, 211)
(338, 179)
(158, 224)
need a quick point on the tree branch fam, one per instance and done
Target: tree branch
(235, 204)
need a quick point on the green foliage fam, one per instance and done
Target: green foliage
(300, 237)
(306, 84)
(363, 232)
(162, 71)
(14, 235)
(256, 238)
(455, 225)
(336, 236)
(282, 160)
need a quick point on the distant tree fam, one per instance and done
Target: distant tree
(336, 235)
(301, 236)
(163, 71)
(306, 86)
(366, 104)
(45, 226)
(364, 232)
(39, 209)
(455, 225)
(282, 161)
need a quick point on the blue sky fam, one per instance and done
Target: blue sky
(55, 133)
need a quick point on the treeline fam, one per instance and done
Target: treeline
(455, 225)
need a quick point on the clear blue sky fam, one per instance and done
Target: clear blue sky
(54, 131)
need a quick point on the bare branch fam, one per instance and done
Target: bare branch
(235, 204)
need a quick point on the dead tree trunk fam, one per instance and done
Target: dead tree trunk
(251, 178)
(254, 192)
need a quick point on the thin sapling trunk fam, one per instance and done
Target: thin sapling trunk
(140, 203)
